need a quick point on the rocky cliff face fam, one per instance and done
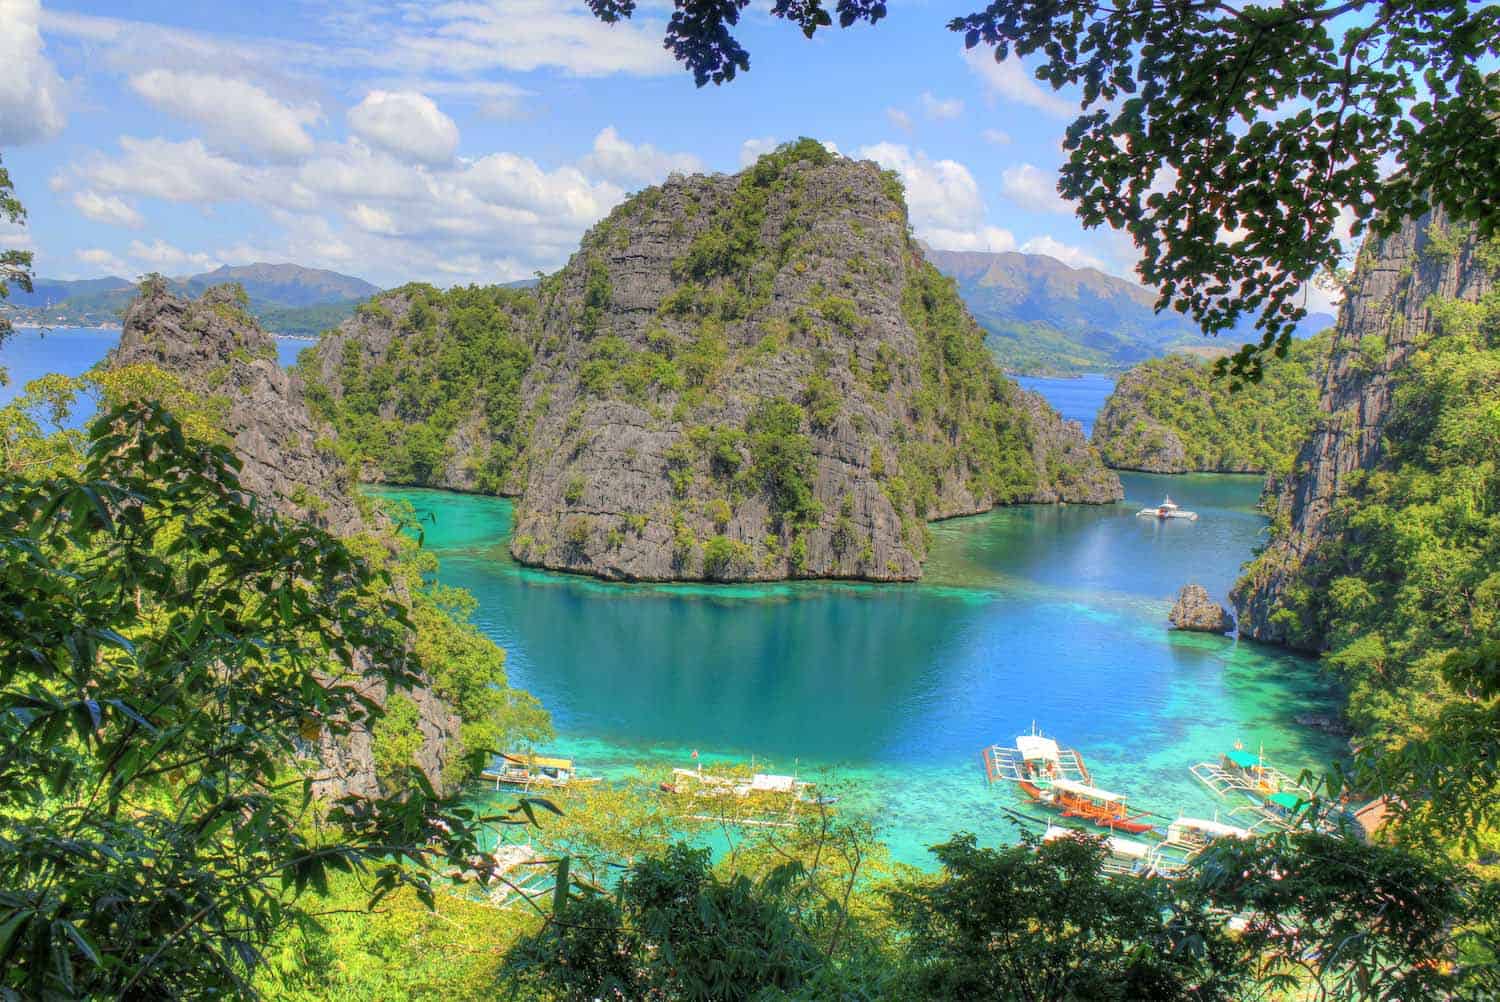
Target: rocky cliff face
(759, 377)
(1384, 319)
(220, 354)
(226, 362)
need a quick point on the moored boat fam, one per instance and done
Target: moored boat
(1090, 804)
(1167, 509)
(1194, 834)
(1033, 763)
(528, 770)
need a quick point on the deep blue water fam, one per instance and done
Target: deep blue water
(1077, 399)
(72, 351)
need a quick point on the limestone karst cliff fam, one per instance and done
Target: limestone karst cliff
(226, 364)
(1387, 316)
(738, 377)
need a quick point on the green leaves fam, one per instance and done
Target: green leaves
(165, 640)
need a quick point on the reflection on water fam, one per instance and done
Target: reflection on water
(1046, 614)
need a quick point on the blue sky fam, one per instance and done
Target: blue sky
(476, 141)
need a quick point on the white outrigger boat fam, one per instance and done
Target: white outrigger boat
(1167, 509)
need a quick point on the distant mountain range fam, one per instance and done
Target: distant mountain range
(286, 298)
(1045, 317)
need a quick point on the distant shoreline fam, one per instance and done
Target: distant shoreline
(42, 328)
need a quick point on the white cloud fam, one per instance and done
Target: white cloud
(1009, 81)
(161, 255)
(941, 194)
(173, 171)
(898, 118)
(996, 137)
(373, 220)
(233, 113)
(618, 160)
(939, 109)
(407, 124)
(103, 262)
(30, 89)
(110, 209)
(752, 150)
(1032, 188)
(472, 37)
(1068, 254)
(492, 98)
(15, 236)
(983, 238)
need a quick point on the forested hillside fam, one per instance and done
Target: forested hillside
(1172, 415)
(1385, 548)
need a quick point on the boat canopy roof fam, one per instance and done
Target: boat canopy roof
(1127, 847)
(1083, 790)
(1287, 799)
(764, 782)
(538, 761)
(1034, 746)
(1243, 758)
(1210, 827)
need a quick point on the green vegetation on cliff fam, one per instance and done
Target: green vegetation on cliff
(1174, 415)
(1408, 573)
(454, 355)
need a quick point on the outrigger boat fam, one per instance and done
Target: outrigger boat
(527, 770)
(1192, 835)
(1098, 807)
(1273, 795)
(1126, 856)
(1167, 509)
(1033, 763)
(1057, 779)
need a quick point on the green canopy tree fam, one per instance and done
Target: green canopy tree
(15, 265)
(171, 654)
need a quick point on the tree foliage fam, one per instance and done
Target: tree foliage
(172, 656)
(450, 354)
(1041, 921)
(15, 264)
(1228, 139)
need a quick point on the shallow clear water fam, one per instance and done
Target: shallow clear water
(1047, 614)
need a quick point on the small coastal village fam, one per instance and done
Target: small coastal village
(503, 500)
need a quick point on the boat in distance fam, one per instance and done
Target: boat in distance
(1167, 509)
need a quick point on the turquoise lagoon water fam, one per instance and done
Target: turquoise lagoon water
(1052, 615)
(1047, 614)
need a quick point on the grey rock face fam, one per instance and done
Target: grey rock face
(1386, 306)
(616, 486)
(219, 353)
(1195, 611)
(622, 480)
